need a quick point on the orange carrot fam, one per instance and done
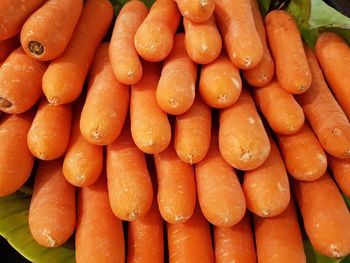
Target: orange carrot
(99, 235)
(7, 46)
(341, 169)
(48, 136)
(20, 78)
(46, 33)
(106, 104)
(220, 83)
(197, 11)
(202, 40)
(242, 41)
(154, 37)
(292, 69)
(325, 215)
(15, 157)
(192, 132)
(52, 208)
(243, 141)
(63, 81)
(282, 112)
(150, 126)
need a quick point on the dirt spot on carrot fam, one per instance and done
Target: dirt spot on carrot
(4, 103)
(172, 102)
(336, 132)
(36, 48)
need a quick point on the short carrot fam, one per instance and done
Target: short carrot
(197, 11)
(63, 81)
(107, 102)
(341, 169)
(52, 215)
(7, 46)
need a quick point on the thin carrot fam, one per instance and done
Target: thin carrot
(107, 102)
(63, 81)
(52, 208)
(20, 78)
(7, 46)
(154, 37)
(197, 11)
(325, 215)
(220, 83)
(341, 169)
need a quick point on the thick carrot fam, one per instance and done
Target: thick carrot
(242, 41)
(325, 215)
(197, 11)
(106, 104)
(243, 141)
(220, 83)
(129, 184)
(99, 234)
(52, 208)
(176, 86)
(292, 69)
(192, 132)
(46, 33)
(278, 239)
(63, 81)
(324, 114)
(48, 136)
(264, 71)
(266, 188)
(341, 169)
(7, 46)
(15, 157)
(219, 191)
(154, 37)
(190, 241)
(176, 186)
(13, 14)
(150, 126)
(235, 243)
(282, 112)
(20, 82)
(202, 40)
(303, 154)
(125, 61)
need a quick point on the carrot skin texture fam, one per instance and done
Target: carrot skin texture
(7, 46)
(196, 11)
(341, 169)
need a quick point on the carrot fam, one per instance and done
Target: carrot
(190, 241)
(52, 208)
(192, 132)
(129, 183)
(264, 71)
(219, 192)
(176, 186)
(202, 40)
(278, 238)
(303, 155)
(196, 11)
(106, 104)
(154, 37)
(7, 46)
(46, 33)
(242, 41)
(150, 126)
(292, 70)
(20, 78)
(235, 243)
(48, 137)
(282, 112)
(243, 141)
(63, 81)
(324, 114)
(266, 188)
(99, 235)
(340, 169)
(325, 215)
(13, 14)
(125, 61)
(220, 83)
(176, 86)
(14, 151)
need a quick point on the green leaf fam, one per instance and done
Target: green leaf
(264, 6)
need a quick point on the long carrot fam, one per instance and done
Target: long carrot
(125, 61)
(106, 104)
(7, 46)
(325, 215)
(197, 11)
(154, 37)
(341, 169)
(63, 81)
(46, 33)
(20, 78)
(52, 208)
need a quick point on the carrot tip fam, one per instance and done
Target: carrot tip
(96, 135)
(4, 103)
(222, 98)
(133, 215)
(172, 102)
(266, 212)
(190, 158)
(335, 251)
(247, 62)
(130, 73)
(36, 48)
(301, 87)
(54, 100)
(245, 155)
(336, 132)
(49, 238)
(180, 218)
(262, 78)
(203, 3)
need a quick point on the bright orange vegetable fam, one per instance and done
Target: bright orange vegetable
(197, 11)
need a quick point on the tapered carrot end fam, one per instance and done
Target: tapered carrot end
(4, 103)
(36, 48)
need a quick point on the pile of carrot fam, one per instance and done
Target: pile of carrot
(207, 139)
